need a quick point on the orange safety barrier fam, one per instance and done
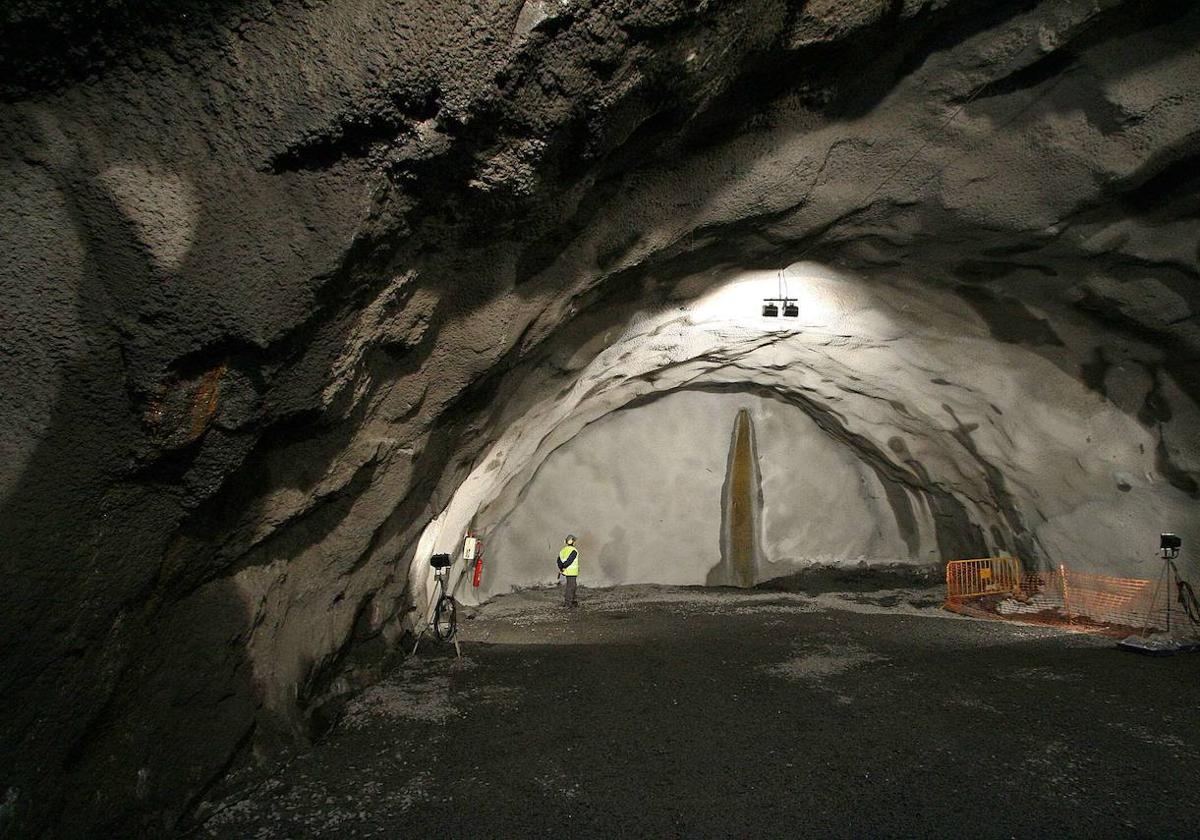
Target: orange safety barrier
(1110, 600)
(1059, 596)
(987, 576)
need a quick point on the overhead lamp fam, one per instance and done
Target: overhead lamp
(771, 308)
(790, 309)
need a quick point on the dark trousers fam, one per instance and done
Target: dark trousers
(569, 590)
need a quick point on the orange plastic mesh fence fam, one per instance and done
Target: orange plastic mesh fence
(1059, 597)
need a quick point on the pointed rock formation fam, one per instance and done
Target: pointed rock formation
(741, 508)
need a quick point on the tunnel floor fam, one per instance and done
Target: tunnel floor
(686, 712)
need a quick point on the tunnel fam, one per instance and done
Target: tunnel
(882, 402)
(299, 294)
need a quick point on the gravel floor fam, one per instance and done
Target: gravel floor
(682, 712)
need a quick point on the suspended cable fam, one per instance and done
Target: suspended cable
(924, 145)
(937, 132)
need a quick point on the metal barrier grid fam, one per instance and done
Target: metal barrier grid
(985, 576)
(1058, 597)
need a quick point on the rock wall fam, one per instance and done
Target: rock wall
(279, 275)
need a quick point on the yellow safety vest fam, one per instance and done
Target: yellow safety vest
(573, 569)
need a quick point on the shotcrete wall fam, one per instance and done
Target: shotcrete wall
(643, 490)
(976, 446)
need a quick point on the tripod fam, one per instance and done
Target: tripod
(442, 616)
(1169, 551)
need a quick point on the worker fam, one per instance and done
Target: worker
(568, 567)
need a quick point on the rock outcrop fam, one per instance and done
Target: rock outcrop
(285, 280)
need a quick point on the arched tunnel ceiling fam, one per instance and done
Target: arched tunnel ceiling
(282, 274)
(908, 376)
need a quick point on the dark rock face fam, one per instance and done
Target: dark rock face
(278, 273)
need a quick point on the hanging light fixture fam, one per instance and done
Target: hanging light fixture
(770, 310)
(771, 305)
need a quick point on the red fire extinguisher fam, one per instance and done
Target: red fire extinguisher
(473, 550)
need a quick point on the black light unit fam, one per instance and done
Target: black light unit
(1169, 545)
(439, 561)
(771, 307)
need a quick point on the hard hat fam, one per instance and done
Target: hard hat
(570, 538)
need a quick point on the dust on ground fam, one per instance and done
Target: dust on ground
(671, 711)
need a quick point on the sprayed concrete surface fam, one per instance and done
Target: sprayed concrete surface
(663, 711)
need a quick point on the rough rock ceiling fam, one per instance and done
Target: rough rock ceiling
(279, 274)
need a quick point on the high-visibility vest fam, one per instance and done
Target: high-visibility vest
(569, 552)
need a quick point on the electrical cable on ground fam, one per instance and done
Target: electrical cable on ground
(1186, 596)
(445, 618)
